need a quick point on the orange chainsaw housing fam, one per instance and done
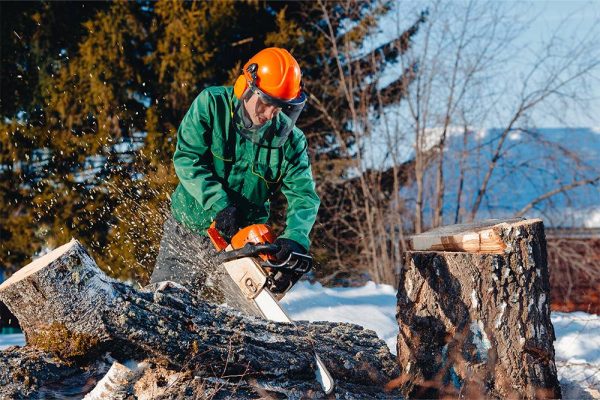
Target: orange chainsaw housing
(253, 234)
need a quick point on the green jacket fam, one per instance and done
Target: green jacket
(217, 167)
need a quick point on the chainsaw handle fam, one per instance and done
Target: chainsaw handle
(296, 262)
(249, 250)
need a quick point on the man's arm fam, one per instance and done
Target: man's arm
(303, 201)
(193, 159)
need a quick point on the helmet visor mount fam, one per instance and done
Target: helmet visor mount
(274, 132)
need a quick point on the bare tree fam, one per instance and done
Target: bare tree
(367, 213)
(460, 46)
(463, 82)
(449, 86)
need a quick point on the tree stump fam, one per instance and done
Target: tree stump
(68, 308)
(473, 311)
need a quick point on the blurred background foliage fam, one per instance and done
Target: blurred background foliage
(92, 94)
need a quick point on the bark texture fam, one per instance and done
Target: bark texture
(30, 373)
(69, 308)
(479, 324)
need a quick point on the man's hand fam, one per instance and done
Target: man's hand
(283, 280)
(227, 222)
(286, 247)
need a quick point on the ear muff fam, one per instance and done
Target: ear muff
(240, 86)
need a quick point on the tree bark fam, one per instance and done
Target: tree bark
(30, 373)
(478, 324)
(68, 307)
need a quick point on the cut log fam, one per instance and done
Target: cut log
(66, 306)
(118, 383)
(478, 324)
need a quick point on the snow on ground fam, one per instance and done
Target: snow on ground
(13, 339)
(577, 337)
(577, 348)
(373, 306)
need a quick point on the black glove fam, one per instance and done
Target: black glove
(227, 222)
(281, 280)
(286, 247)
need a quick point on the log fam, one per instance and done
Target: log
(30, 373)
(478, 324)
(68, 307)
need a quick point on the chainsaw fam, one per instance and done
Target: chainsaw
(255, 281)
(257, 241)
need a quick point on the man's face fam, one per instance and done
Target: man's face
(259, 111)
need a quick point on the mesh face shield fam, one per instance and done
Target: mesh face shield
(274, 132)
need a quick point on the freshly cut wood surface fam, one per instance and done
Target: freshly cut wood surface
(485, 237)
(38, 263)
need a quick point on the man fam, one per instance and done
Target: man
(236, 147)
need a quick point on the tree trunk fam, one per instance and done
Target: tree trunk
(478, 324)
(67, 307)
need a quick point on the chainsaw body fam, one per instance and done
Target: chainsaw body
(256, 243)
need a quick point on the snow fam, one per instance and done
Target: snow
(577, 337)
(373, 306)
(534, 162)
(480, 339)
(13, 339)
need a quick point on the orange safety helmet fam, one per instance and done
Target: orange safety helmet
(274, 75)
(273, 71)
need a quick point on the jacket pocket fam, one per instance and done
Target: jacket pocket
(268, 173)
(267, 165)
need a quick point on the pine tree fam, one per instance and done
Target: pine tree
(92, 133)
(35, 40)
(88, 137)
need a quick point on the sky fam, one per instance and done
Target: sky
(568, 20)
(583, 17)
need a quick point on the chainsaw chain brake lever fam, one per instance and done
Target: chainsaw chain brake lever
(249, 250)
(295, 262)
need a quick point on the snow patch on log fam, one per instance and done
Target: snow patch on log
(480, 339)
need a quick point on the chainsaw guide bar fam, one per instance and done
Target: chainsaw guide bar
(251, 279)
(251, 271)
